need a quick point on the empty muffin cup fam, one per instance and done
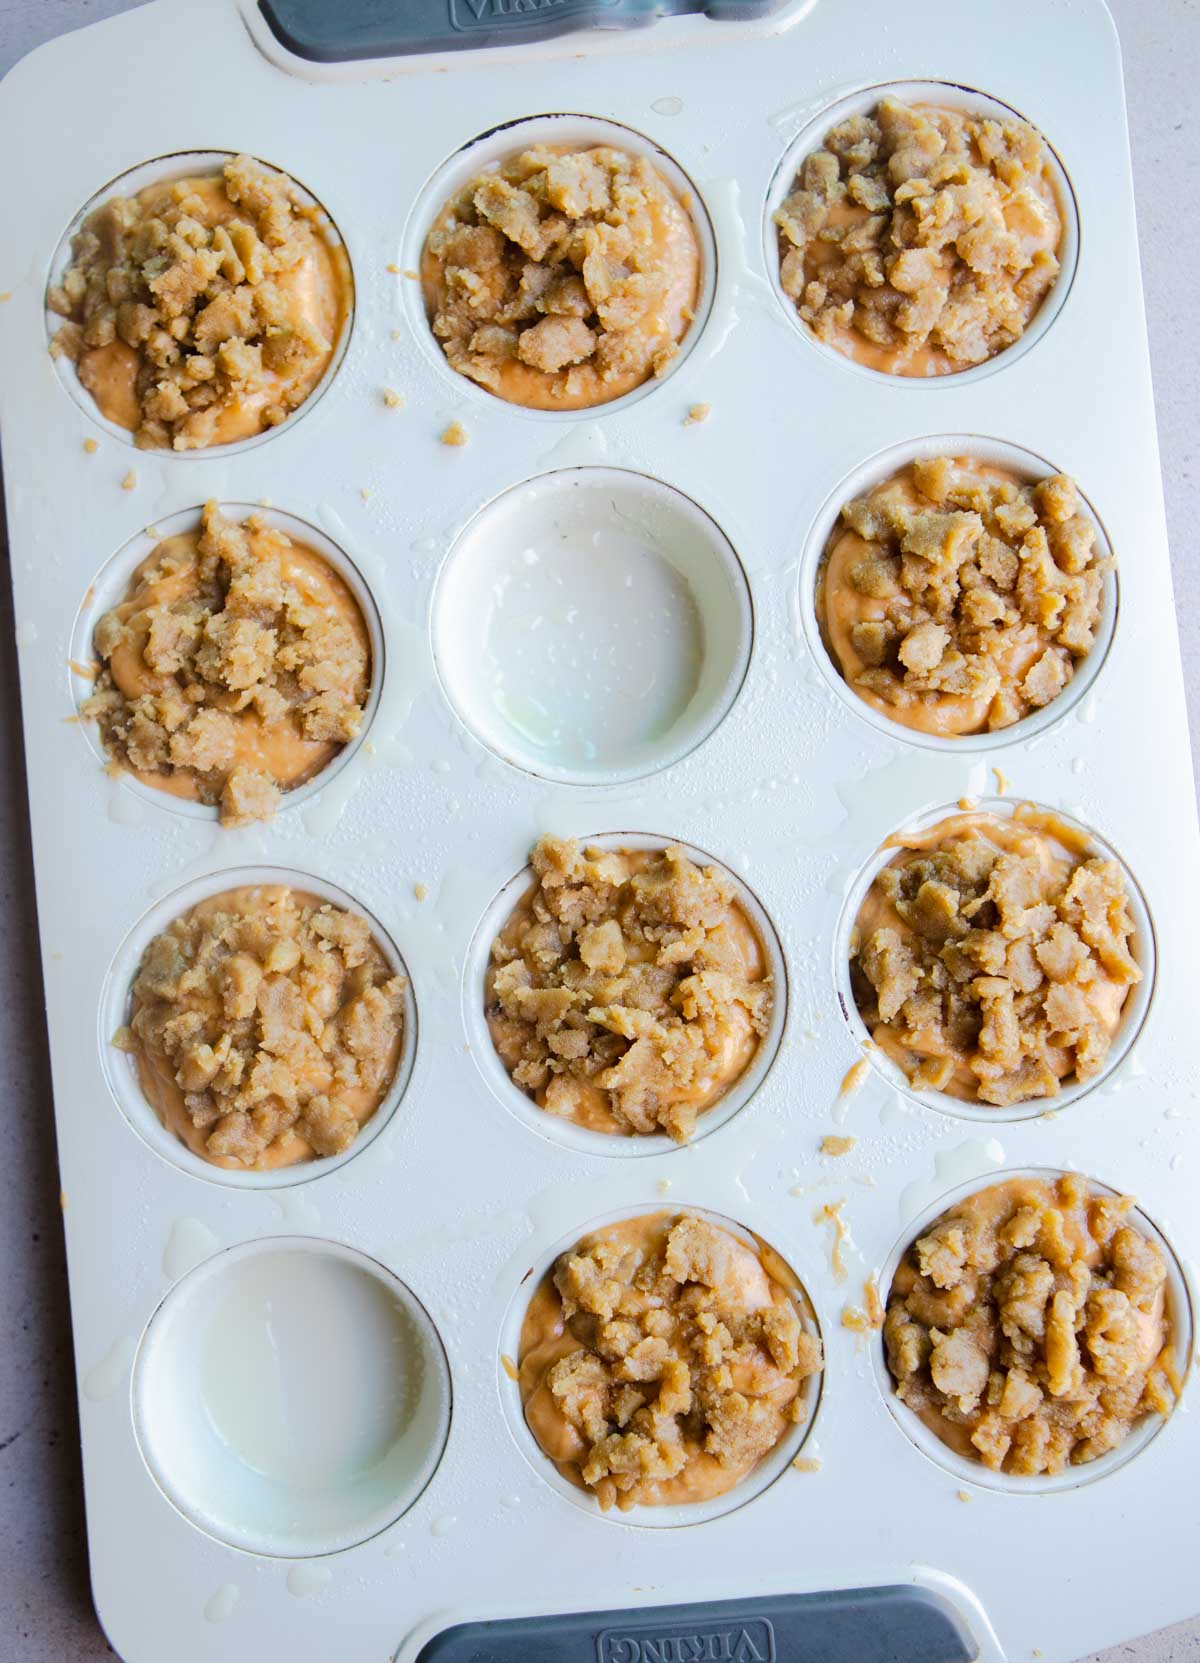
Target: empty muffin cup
(245, 326)
(930, 319)
(721, 1453)
(1020, 641)
(592, 625)
(220, 1075)
(565, 264)
(273, 607)
(291, 1397)
(592, 1072)
(1071, 1396)
(946, 994)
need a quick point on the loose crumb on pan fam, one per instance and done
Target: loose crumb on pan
(90, 447)
(662, 1359)
(392, 399)
(964, 1495)
(852, 1083)
(269, 1022)
(921, 240)
(197, 294)
(509, 1367)
(1002, 781)
(456, 434)
(807, 1463)
(868, 1317)
(831, 1214)
(420, 891)
(224, 659)
(1030, 1326)
(129, 483)
(993, 962)
(832, 1144)
(955, 598)
(696, 414)
(578, 266)
(628, 990)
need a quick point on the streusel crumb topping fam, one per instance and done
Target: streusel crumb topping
(236, 667)
(267, 1027)
(629, 990)
(921, 240)
(1029, 1326)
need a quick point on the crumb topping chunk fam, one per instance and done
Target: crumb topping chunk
(237, 666)
(663, 1358)
(562, 277)
(956, 598)
(1029, 1327)
(921, 240)
(992, 963)
(203, 310)
(628, 990)
(266, 1026)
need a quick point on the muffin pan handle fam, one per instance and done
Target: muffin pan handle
(356, 29)
(852, 1625)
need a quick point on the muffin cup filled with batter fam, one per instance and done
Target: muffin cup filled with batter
(258, 1027)
(995, 960)
(662, 1366)
(624, 995)
(1037, 1332)
(958, 591)
(199, 301)
(565, 263)
(921, 230)
(227, 662)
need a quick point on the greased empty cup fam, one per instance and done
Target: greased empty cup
(592, 625)
(291, 1397)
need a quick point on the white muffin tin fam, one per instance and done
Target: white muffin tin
(425, 823)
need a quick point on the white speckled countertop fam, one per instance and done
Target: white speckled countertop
(45, 1610)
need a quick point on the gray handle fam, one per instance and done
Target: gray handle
(857, 1625)
(341, 31)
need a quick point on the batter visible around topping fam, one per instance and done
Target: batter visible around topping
(956, 598)
(629, 990)
(562, 278)
(1030, 1326)
(662, 1358)
(266, 1026)
(203, 310)
(919, 240)
(991, 958)
(236, 667)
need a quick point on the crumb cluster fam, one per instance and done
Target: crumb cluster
(1029, 1326)
(628, 989)
(960, 597)
(921, 240)
(558, 260)
(267, 1024)
(661, 1361)
(991, 965)
(195, 280)
(235, 654)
